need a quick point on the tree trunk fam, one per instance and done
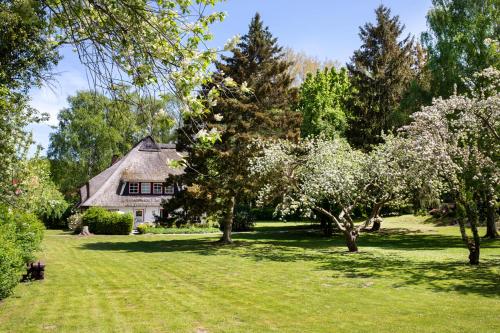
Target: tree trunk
(375, 217)
(326, 226)
(228, 223)
(491, 217)
(472, 244)
(350, 238)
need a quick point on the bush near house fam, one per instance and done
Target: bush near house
(20, 237)
(102, 222)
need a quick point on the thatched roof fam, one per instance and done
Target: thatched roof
(148, 161)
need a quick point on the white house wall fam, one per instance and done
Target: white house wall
(149, 212)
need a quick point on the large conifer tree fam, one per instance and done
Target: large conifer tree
(253, 101)
(381, 72)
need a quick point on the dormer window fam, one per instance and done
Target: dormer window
(145, 188)
(133, 188)
(157, 188)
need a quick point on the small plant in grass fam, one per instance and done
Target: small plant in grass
(75, 223)
(144, 227)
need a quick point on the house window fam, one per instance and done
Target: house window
(169, 189)
(161, 212)
(133, 188)
(145, 188)
(157, 188)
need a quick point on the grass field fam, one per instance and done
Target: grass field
(412, 277)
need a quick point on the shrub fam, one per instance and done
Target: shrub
(145, 227)
(54, 213)
(75, 223)
(11, 262)
(20, 236)
(102, 222)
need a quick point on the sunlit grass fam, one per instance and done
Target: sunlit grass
(412, 277)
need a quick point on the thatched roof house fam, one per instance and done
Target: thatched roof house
(135, 183)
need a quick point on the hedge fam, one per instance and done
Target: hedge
(20, 237)
(103, 222)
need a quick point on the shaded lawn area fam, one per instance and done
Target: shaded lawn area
(412, 277)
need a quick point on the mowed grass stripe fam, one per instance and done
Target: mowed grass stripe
(413, 279)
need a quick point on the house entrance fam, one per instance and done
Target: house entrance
(138, 217)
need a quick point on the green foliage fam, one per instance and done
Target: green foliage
(75, 223)
(182, 230)
(142, 228)
(322, 102)
(254, 101)
(89, 133)
(243, 219)
(38, 194)
(103, 222)
(26, 56)
(20, 237)
(381, 72)
(95, 128)
(462, 39)
(26, 52)
(156, 46)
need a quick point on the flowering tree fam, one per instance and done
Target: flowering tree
(455, 142)
(328, 178)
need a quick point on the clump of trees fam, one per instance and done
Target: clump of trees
(252, 101)
(326, 177)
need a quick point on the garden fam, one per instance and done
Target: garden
(284, 277)
(197, 185)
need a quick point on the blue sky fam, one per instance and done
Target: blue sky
(327, 29)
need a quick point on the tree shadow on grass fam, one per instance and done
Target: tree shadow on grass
(329, 254)
(442, 276)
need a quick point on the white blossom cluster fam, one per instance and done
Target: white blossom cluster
(452, 145)
(307, 174)
(455, 142)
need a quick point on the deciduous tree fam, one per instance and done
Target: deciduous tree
(462, 39)
(323, 99)
(456, 143)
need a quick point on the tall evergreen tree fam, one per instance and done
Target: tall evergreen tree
(253, 101)
(381, 71)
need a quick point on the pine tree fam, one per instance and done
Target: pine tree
(381, 72)
(253, 102)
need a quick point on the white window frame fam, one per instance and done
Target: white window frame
(149, 188)
(130, 188)
(160, 188)
(169, 189)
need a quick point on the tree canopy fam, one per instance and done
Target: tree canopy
(254, 101)
(381, 72)
(462, 39)
(323, 100)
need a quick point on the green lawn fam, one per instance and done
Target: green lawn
(412, 277)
